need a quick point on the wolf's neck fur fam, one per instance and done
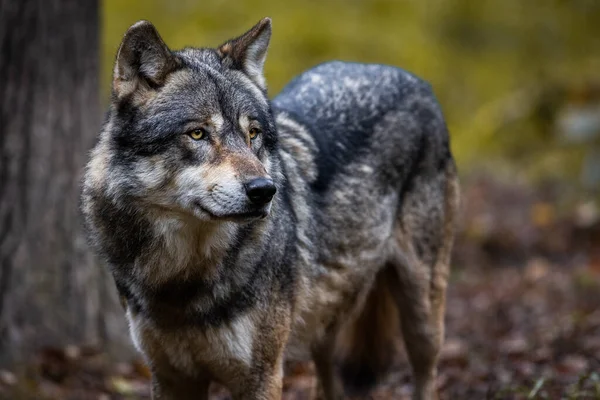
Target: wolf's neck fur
(184, 247)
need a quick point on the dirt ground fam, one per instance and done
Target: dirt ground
(523, 316)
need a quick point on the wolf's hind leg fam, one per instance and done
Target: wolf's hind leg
(421, 258)
(329, 386)
(421, 320)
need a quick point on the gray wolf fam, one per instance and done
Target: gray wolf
(240, 231)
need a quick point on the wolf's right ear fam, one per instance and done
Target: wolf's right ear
(143, 60)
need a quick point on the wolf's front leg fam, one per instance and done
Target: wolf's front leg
(266, 387)
(263, 382)
(169, 386)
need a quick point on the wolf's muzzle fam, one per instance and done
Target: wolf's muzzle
(260, 191)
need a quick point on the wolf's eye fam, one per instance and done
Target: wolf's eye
(254, 132)
(197, 134)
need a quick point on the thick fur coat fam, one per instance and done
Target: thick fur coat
(241, 230)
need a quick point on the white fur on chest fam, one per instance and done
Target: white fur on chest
(188, 348)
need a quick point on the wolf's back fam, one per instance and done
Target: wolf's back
(342, 104)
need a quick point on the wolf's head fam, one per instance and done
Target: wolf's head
(191, 131)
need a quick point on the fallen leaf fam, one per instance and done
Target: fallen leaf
(121, 386)
(7, 377)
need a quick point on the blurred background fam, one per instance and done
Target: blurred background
(519, 82)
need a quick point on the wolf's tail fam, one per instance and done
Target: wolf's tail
(367, 346)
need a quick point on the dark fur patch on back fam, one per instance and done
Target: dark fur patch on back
(342, 125)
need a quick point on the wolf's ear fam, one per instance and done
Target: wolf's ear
(143, 60)
(248, 52)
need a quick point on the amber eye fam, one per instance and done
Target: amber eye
(197, 134)
(254, 133)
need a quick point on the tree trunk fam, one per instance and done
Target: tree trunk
(52, 292)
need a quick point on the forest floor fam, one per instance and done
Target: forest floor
(523, 316)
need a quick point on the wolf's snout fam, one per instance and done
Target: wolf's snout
(260, 191)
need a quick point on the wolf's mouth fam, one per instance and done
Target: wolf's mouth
(260, 214)
(252, 214)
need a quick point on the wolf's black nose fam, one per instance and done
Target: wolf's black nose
(260, 190)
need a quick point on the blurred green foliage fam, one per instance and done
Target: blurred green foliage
(504, 71)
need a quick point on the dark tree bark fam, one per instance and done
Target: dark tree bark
(52, 292)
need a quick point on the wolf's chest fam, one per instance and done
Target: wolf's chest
(191, 349)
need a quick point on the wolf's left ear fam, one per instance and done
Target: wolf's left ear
(248, 52)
